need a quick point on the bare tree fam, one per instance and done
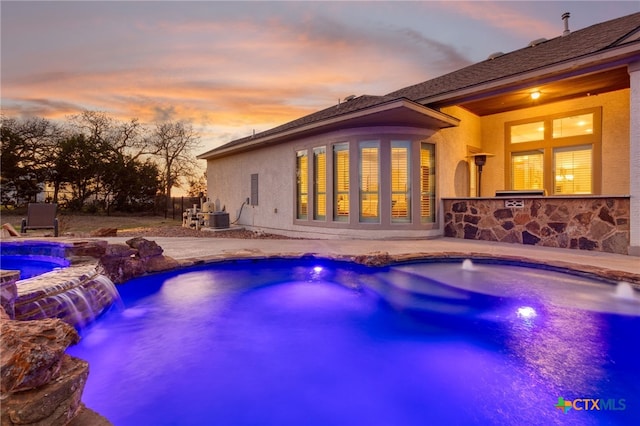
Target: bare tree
(173, 145)
(122, 146)
(26, 157)
(118, 137)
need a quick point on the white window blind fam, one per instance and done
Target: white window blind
(319, 183)
(369, 182)
(573, 170)
(302, 187)
(400, 182)
(527, 170)
(427, 183)
(341, 182)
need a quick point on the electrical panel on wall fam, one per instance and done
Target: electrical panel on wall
(254, 189)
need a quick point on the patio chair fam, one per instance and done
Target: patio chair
(40, 216)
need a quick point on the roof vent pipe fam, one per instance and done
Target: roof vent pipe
(565, 18)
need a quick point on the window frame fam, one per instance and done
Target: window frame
(318, 183)
(431, 189)
(549, 144)
(362, 193)
(406, 146)
(302, 185)
(337, 193)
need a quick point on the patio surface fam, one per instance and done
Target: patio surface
(203, 248)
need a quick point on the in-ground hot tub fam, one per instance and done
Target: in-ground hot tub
(57, 280)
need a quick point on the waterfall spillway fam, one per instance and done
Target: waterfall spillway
(77, 297)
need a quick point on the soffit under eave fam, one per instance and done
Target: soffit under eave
(583, 72)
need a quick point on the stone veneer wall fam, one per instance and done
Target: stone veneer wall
(598, 223)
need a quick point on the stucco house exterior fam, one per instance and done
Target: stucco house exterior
(557, 124)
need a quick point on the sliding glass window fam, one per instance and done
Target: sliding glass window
(319, 183)
(370, 181)
(302, 186)
(400, 182)
(341, 182)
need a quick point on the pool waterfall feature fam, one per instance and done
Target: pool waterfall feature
(40, 317)
(77, 294)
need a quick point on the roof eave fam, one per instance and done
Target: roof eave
(599, 61)
(421, 115)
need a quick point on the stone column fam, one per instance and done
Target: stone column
(634, 158)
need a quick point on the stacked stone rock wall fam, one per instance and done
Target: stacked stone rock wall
(592, 223)
(40, 383)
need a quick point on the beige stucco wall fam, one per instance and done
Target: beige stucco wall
(229, 185)
(452, 151)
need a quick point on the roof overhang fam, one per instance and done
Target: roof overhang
(400, 113)
(589, 75)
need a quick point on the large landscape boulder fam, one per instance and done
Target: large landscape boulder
(138, 257)
(55, 403)
(31, 352)
(40, 383)
(145, 247)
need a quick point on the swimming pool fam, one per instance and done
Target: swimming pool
(283, 342)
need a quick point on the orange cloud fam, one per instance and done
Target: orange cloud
(504, 16)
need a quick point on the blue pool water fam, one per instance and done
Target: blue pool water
(31, 265)
(284, 342)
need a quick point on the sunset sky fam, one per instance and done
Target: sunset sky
(234, 67)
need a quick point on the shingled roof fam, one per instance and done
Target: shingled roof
(580, 43)
(359, 103)
(562, 49)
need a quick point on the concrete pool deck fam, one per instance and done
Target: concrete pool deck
(184, 249)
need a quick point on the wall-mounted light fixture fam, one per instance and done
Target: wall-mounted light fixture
(480, 159)
(535, 95)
